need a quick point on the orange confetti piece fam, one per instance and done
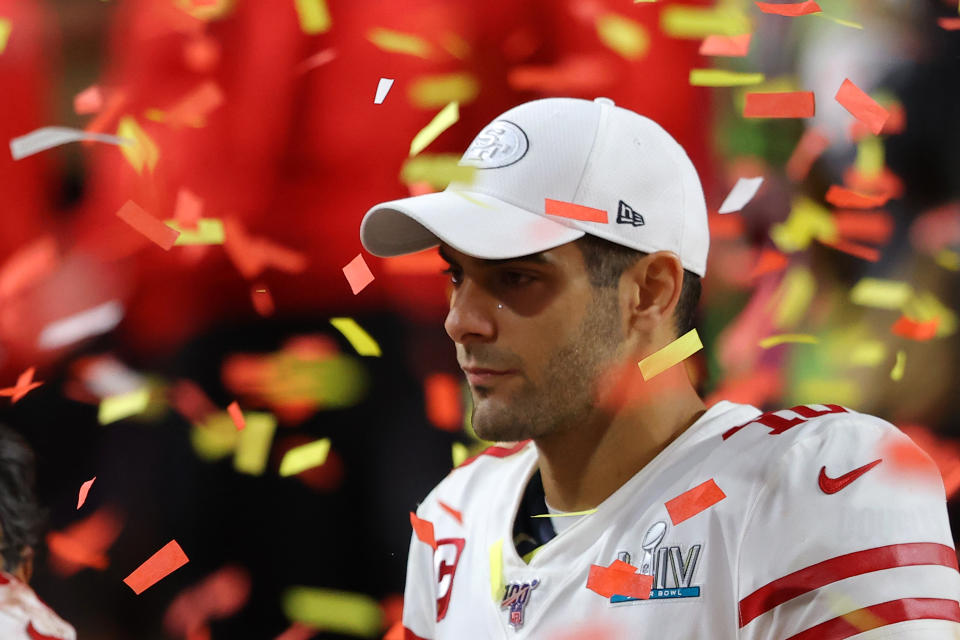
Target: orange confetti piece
(842, 197)
(574, 211)
(358, 274)
(84, 490)
(791, 104)
(262, 300)
(155, 230)
(194, 108)
(25, 384)
(236, 415)
(426, 262)
(792, 9)
(950, 24)
(920, 331)
(84, 543)
(861, 106)
(811, 145)
(90, 100)
(157, 567)
(770, 261)
(867, 226)
(188, 209)
(730, 46)
(619, 579)
(453, 512)
(690, 503)
(251, 254)
(423, 529)
(860, 251)
(27, 266)
(111, 110)
(442, 393)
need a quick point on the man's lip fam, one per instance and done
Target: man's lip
(479, 370)
(486, 376)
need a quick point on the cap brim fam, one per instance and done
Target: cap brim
(473, 223)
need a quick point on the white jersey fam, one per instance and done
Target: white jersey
(23, 616)
(808, 538)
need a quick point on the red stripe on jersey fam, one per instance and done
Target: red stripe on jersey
(880, 615)
(496, 452)
(410, 635)
(852, 564)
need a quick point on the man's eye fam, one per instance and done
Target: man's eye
(454, 275)
(516, 278)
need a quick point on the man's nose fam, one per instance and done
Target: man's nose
(471, 317)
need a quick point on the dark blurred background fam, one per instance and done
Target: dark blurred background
(268, 121)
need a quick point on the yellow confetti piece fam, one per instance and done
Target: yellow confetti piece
(439, 169)
(882, 294)
(793, 297)
(440, 123)
(214, 438)
(896, 374)
(623, 35)
(870, 156)
(948, 259)
(155, 115)
(361, 341)
(306, 456)
(567, 513)
(496, 570)
(432, 92)
(674, 353)
(253, 447)
(680, 21)
(772, 341)
(807, 220)
(208, 231)
(123, 405)
(313, 15)
(335, 611)
(459, 452)
(867, 353)
(5, 28)
(143, 151)
(840, 21)
(397, 42)
(455, 45)
(723, 78)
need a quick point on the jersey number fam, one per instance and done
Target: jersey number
(447, 549)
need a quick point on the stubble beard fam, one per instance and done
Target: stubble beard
(567, 396)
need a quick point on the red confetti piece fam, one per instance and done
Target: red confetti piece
(188, 209)
(920, 331)
(792, 9)
(867, 226)
(950, 24)
(619, 579)
(442, 392)
(84, 543)
(770, 261)
(262, 300)
(24, 385)
(574, 211)
(358, 274)
(27, 266)
(730, 46)
(861, 106)
(453, 512)
(426, 262)
(251, 254)
(423, 529)
(792, 104)
(236, 415)
(842, 197)
(155, 230)
(84, 490)
(103, 120)
(194, 108)
(88, 101)
(860, 251)
(811, 145)
(217, 596)
(157, 567)
(690, 503)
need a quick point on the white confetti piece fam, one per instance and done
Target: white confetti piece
(49, 137)
(741, 194)
(91, 322)
(382, 89)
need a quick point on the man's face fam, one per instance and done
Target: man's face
(554, 335)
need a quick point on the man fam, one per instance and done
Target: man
(22, 615)
(664, 518)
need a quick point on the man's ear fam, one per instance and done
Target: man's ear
(653, 286)
(24, 571)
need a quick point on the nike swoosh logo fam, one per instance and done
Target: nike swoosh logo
(832, 485)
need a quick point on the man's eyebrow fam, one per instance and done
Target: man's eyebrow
(538, 258)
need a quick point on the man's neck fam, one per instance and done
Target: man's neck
(584, 464)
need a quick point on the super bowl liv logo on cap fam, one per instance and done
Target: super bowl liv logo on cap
(500, 144)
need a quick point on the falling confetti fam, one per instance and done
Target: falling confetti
(124, 405)
(723, 78)
(691, 502)
(741, 194)
(383, 87)
(447, 116)
(50, 137)
(359, 339)
(84, 490)
(155, 230)
(25, 384)
(792, 104)
(157, 567)
(674, 353)
(358, 274)
(306, 456)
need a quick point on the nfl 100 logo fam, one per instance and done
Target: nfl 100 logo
(672, 571)
(515, 596)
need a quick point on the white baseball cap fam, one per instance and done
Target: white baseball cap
(589, 153)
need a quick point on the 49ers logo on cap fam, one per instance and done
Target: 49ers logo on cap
(500, 144)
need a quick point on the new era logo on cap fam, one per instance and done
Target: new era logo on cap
(626, 215)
